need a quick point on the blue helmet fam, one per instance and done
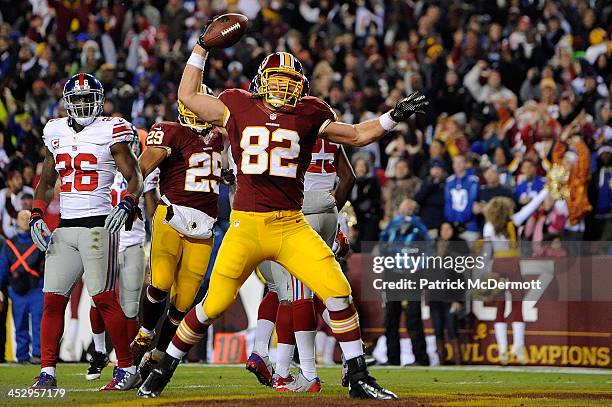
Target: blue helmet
(84, 98)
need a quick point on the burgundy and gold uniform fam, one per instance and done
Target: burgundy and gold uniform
(190, 174)
(189, 185)
(272, 149)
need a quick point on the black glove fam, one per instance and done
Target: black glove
(414, 103)
(227, 176)
(201, 42)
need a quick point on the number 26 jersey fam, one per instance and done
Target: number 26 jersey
(85, 164)
(272, 149)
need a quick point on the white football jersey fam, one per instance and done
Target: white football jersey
(137, 235)
(85, 164)
(321, 173)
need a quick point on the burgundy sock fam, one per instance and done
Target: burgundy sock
(116, 326)
(52, 328)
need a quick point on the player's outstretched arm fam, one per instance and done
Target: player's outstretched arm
(347, 178)
(38, 228)
(207, 108)
(362, 134)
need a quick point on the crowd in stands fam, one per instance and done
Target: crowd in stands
(515, 87)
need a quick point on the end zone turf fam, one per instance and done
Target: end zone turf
(195, 384)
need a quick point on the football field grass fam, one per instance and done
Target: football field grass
(195, 384)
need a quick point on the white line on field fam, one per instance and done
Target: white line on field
(479, 368)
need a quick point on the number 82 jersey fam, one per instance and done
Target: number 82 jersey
(190, 174)
(272, 149)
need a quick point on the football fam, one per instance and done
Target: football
(225, 30)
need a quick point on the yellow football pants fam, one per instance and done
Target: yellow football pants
(178, 263)
(281, 236)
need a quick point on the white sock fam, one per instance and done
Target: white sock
(263, 333)
(305, 341)
(325, 316)
(131, 369)
(518, 334)
(48, 370)
(202, 317)
(175, 352)
(501, 336)
(73, 331)
(328, 350)
(320, 339)
(145, 331)
(284, 355)
(351, 349)
(99, 342)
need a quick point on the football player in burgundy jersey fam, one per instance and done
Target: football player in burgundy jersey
(188, 155)
(85, 150)
(289, 303)
(272, 133)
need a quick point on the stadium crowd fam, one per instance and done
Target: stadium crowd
(514, 88)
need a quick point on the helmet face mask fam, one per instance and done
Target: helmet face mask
(280, 80)
(189, 119)
(84, 98)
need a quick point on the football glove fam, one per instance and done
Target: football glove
(227, 176)
(39, 230)
(342, 245)
(122, 214)
(414, 103)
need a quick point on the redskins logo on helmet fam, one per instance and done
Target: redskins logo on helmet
(187, 118)
(280, 80)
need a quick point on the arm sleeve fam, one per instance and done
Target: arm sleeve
(4, 266)
(122, 131)
(150, 183)
(471, 82)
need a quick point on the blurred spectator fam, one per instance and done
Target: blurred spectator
(460, 193)
(401, 186)
(447, 304)
(366, 199)
(11, 202)
(21, 263)
(404, 229)
(430, 196)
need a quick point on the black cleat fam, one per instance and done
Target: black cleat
(364, 386)
(97, 363)
(149, 362)
(159, 378)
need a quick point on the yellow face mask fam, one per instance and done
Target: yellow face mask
(187, 118)
(281, 87)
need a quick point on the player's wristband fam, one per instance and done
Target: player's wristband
(196, 60)
(39, 204)
(131, 198)
(387, 122)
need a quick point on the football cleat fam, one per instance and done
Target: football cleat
(364, 386)
(97, 363)
(261, 368)
(122, 380)
(344, 378)
(279, 382)
(521, 355)
(301, 385)
(140, 345)
(44, 381)
(149, 362)
(159, 378)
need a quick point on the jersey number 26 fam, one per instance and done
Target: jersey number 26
(83, 180)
